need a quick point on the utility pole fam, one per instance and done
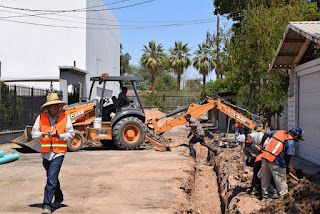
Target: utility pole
(218, 48)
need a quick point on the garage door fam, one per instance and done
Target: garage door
(309, 116)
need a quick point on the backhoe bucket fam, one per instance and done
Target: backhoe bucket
(26, 141)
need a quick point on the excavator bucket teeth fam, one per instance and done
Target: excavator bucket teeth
(26, 141)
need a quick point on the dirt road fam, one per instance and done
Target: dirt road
(100, 181)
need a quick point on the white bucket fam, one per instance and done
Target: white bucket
(97, 121)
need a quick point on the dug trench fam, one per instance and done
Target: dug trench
(206, 188)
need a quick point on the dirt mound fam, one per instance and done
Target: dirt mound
(153, 114)
(303, 196)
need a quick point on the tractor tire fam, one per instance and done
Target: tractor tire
(128, 133)
(77, 142)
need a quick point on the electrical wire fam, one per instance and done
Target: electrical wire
(127, 28)
(131, 27)
(89, 23)
(47, 12)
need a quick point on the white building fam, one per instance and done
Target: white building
(47, 42)
(298, 52)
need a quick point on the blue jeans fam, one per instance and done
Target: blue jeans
(53, 185)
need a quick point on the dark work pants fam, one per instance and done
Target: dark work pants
(195, 139)
(53, 185)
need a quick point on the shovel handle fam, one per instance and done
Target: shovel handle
(294, 177)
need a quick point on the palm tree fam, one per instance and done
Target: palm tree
(179, 59)
(203, 61)
(153, 58)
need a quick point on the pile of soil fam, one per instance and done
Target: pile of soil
(231, 162)
(154, 114)
(303, 196)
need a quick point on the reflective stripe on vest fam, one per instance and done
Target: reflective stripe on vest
(58, 146)
(276, 144)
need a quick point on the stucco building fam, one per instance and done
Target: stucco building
(65, 42)
(298, 52)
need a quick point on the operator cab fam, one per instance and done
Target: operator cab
(108, 107)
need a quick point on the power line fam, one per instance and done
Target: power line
(47, 12)
(127, 28)
(112, 20)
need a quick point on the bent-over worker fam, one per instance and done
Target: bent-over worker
(197, 131)
(276, 158)
(250, 142)
(54, 129)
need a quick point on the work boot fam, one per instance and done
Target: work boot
(46, 211)
(264, 197)
(273, 195)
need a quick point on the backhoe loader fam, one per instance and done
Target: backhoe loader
(124, 125)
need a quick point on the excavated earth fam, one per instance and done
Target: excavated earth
(303, 196)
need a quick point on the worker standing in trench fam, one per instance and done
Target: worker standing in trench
(54, 129)
(197, 131)
(276, 158)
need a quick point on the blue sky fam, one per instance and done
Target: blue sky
(166, 10)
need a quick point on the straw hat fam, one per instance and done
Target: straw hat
(53, 98)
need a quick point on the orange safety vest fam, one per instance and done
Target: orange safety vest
(275, 146)
(258, 158)
(58, 146)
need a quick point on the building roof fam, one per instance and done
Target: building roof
(73, 69)
(296, 45)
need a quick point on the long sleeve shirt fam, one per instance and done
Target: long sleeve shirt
(255, 141)
(67, 136)
(123, 99)
(196, 127)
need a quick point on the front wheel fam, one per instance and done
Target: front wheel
(128, 133)
(77, 142)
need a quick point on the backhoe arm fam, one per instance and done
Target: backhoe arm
(196, 110)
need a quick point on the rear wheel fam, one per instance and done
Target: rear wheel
(77, 142)
(128, 133)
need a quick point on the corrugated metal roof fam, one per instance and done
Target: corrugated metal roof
(297, 39)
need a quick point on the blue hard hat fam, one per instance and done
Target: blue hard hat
(298, 131)
(187, 116)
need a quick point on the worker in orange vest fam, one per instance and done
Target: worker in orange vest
(54, 129)
(276, 158)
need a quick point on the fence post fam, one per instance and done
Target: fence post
(31, 119)
(15, 106)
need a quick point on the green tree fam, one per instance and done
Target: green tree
(153, 59)
(10, 107)
(252, 49)
(125, 67)
(179, 59)
(165, 82)
(193, 85)
(203, 61)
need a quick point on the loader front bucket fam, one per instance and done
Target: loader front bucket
(26, 141)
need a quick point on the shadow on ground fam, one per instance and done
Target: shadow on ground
(39, 205)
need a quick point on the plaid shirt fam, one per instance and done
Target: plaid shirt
(195, 127)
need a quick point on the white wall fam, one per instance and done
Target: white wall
(31, 51)
(103, 47)
(28, 51)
